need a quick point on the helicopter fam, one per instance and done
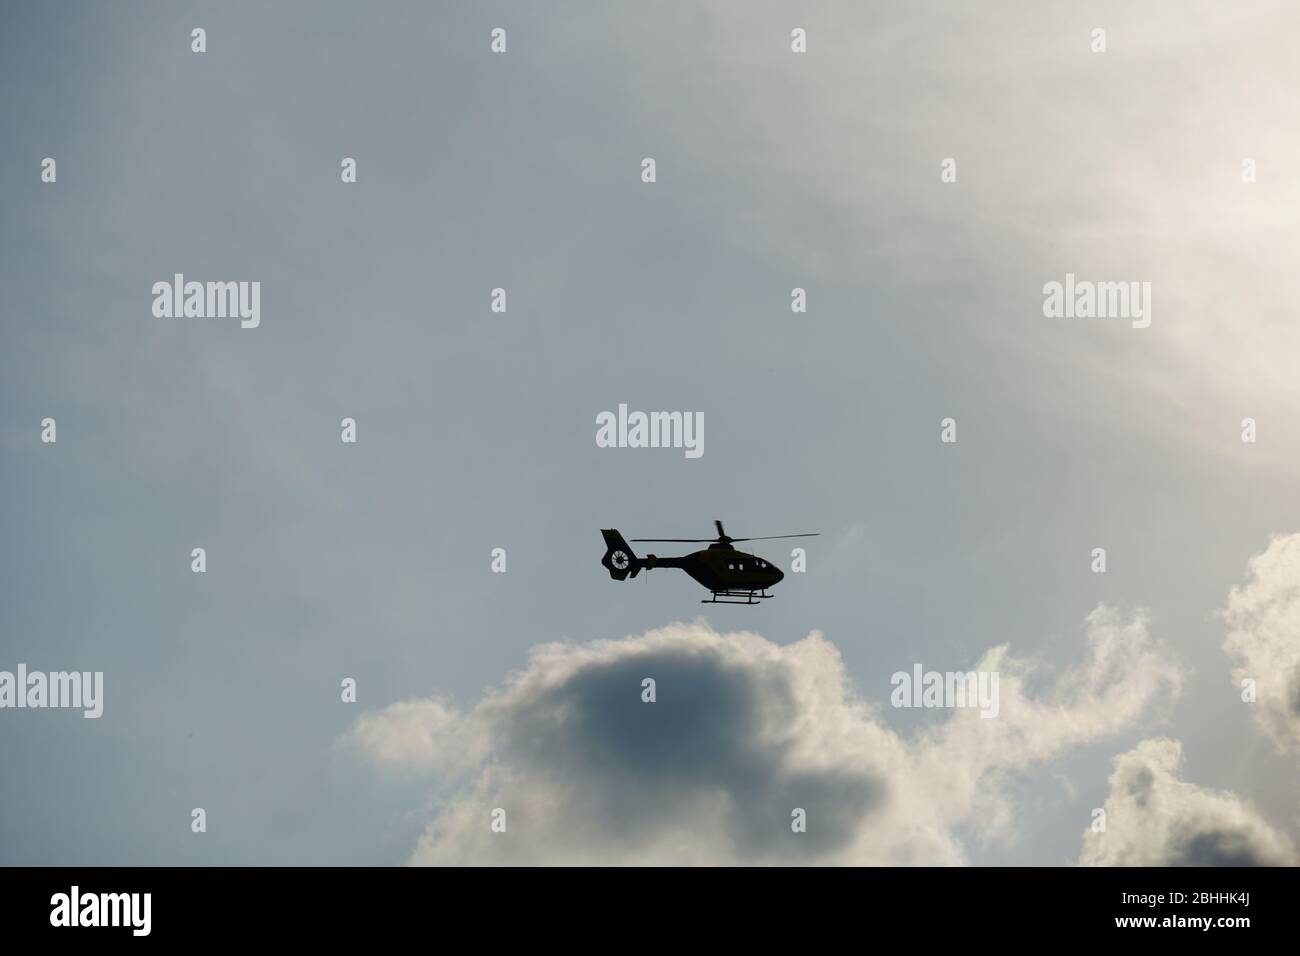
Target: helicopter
(727, 573)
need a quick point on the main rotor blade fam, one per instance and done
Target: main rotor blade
(718, 524)
(678, 540)
(771, 537)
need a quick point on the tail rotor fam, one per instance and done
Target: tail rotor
(620, 560)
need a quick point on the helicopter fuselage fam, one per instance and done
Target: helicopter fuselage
(720, 568)
(732, 577)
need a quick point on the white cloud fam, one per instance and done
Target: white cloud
(1155, 819)
(1263, 618)
(1122, 675)
(416, 735)
(742, 732)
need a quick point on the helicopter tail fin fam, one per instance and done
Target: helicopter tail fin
(620, 560)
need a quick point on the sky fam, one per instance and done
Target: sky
(774, 170)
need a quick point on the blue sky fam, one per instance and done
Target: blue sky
(476, 430)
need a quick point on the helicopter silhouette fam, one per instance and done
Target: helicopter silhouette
(726, 572)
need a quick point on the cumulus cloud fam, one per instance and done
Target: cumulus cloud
(1124, 673)
(742, 732)
(1263, 618)
(1155, 819)
(414, 734)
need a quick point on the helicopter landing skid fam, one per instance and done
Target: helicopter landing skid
(749, 597)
